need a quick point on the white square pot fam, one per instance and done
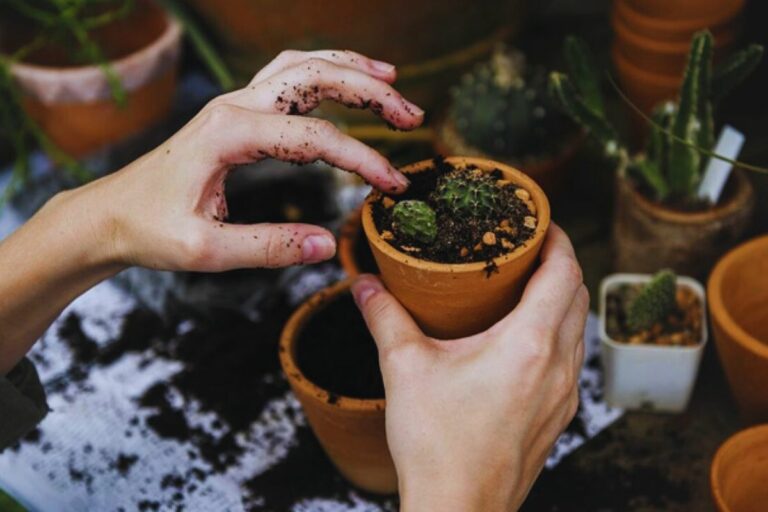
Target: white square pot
(650, 377)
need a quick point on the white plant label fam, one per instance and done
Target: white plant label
(717, 171)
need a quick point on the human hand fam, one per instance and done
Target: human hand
(167, 210)
(470, 422)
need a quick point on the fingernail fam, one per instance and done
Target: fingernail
(412, 109)
(383, 67)
(364, 288)
(317, 248)
(400, 179)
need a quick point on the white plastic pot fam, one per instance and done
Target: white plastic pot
(650, 377)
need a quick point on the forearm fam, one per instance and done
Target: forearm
(58, 254)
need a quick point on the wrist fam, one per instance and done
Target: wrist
(468, 493)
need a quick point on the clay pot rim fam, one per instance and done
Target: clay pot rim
(628, 67)
(624, 32)
(534, 165)
(719, 312)
(290, 336)
(517, 177)
(757, 431)
(348, 236)
(611, 280)
(735, 203)
(677, 25)
(167, 38)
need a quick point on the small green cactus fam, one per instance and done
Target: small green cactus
(670, 167)
(468, 194)
(654, 303)
(415, 220)
(501, 107)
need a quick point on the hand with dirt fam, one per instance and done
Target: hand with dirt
(167, 209)
(470, 422)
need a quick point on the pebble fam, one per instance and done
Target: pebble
(507, 244)
(529, 222)
(387, 235)
(387, 202)
(464, 252)
(523, 194)
(489, 238)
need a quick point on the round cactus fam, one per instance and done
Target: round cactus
(468, 194)
(415, 220)
(654, 302)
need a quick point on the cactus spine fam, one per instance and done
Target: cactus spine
(654, 303)
(670, 167)
(471, 194)
(415, 220)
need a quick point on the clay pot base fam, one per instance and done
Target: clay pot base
(740, 471)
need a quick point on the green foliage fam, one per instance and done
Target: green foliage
(415, 220)
(502, 107)
(673, 163)
(472, 194)
(655, 301)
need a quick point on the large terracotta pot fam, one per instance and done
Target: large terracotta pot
(738, 295)
(739, 472)
(455, 300)
(73, 104)
(551, 172)
(648, 236)
(412, 35)
(681, 10)
(644, 89)
(350, 430)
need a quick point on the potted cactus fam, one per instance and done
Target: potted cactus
(653, 330)
(660, 220)
(457, 248)
(501, 110)
(331, 363)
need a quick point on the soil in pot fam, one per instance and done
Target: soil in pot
(478, 215)
(336, 352)
(680, 327)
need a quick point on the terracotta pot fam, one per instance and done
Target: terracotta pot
(644, 89)
(550, 173)
(73, 104)
(665, 29)
(686, 9)
(354, 252)
(740, 470)
(455, 300)
(350, 430)
(660, 56)
(738, 291)
(409, 34)
(648, 236)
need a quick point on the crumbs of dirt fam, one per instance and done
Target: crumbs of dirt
(336, 351)
(682, 327)
(460, 239)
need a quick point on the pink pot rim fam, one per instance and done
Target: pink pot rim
(50, 84)
(718, 312)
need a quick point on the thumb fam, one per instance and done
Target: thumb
(268, 245)
(390, 324)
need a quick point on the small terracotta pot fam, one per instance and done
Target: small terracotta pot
(73, 104)
(350, 430)
(648, 236)
(681, 10)
(455, 300)
(550, 173)
(739, 472)
(738, 291)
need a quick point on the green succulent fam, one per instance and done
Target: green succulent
(468, 194)
(672, 165)
(415, 220)
(655, 301)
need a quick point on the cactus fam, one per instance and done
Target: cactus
(654, 303)
(415, 220)
(502, 108)
(468, 194)
(673, 163)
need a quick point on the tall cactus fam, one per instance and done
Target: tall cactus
(656, 300)
(672, 164)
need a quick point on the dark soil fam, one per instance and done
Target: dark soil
(459, 240)
(681, 328)
(336, 352)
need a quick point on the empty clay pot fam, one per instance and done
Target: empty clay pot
(350, 430)
(739, 472)
(354, 253)
(738, 292)
(644, 89)
(668, 29)
(681, 10)
(456, 300)
(648, 236)
(73, 104)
